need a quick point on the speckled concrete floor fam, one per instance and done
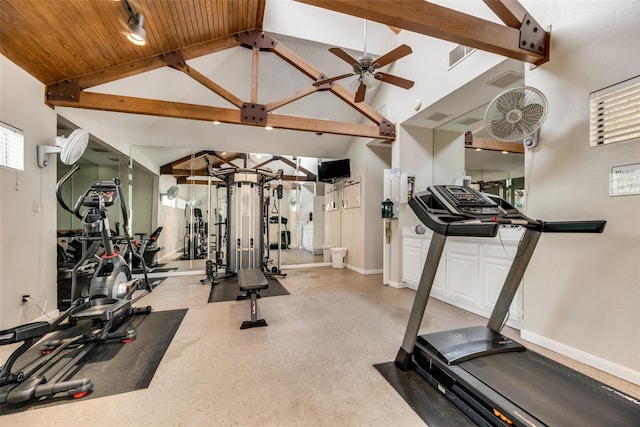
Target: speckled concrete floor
(312, 366)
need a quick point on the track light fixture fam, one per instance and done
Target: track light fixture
(136, 35)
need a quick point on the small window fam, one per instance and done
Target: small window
(615, 113)
(11, 147)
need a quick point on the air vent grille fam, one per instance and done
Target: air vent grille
(436, 117)
(505, 79)
(458, 54)
(468, 121)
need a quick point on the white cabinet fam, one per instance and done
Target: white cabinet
(462, 271)
(471, 271)
(439, 283)
(411, 261)
(495, 261)
(414, 255)
(307, 237)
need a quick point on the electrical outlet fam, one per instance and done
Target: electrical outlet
(37, 206)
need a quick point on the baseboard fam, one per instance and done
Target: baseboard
(604, 365)
(398, 285)
(170, 256)
(362, 271)
(315, 264)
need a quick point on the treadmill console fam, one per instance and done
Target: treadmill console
(454, 210)
(467, 201)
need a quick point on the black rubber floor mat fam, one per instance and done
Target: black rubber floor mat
(228, 289)
(114, 367)
(156, 281)
(430, 405)
(164, 270)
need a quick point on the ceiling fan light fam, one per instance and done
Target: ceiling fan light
(137, 35)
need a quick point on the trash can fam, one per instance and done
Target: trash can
(337, 257)
(326, 252)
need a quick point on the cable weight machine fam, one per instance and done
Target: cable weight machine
(247, 221)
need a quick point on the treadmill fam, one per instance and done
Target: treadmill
(493, 379)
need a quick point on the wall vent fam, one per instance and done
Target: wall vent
(436, 117)
(458, 54)
(468, 121)
(505, 79)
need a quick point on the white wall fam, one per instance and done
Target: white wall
(28, 239)
(582, 292)
(362, 226)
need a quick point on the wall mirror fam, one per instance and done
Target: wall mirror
(194, 217)
(463, 150)
(495, 171)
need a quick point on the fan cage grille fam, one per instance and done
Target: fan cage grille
(515, 114)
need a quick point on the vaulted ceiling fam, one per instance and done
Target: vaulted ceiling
(75, 46)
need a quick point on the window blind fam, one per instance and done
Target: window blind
(615, 113)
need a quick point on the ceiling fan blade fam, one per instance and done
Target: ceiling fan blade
(343, 55)
(332, 79)
(394, 80)
(362, 89)
(394, 55)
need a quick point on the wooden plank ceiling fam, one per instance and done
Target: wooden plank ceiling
(57, 40)
(73, 45)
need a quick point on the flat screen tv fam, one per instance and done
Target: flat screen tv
(333, 169)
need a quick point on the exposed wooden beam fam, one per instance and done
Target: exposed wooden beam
(152, 63)
(340, 91)
(492, 144)
(511, 12)
(188, 172)
(152, 107)
(255, 58)
(440, 22)
(298, 178)
(293, 97)
(210, 84)
(295, 166)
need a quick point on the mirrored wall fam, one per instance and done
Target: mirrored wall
(193, 207)
(497, 171)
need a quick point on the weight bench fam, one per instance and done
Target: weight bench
(252, 281)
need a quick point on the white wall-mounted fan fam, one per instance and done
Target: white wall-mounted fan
(70, 148)
(516, 115)
(171, 193)
(194, 203)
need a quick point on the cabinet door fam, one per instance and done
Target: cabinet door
(411, 261)
(440, 282)
(463, 271)
(496, 262)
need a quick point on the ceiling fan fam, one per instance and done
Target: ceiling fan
(366, 68)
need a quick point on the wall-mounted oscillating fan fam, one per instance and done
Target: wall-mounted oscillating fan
(516, 114)
(71, 148)
(171, 193)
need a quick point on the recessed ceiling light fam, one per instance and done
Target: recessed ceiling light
(215, 122)
(268, 127)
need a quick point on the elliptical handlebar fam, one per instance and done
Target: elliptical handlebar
(61, 184)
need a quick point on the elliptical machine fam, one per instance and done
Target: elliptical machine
(111, 289)
(108, 303)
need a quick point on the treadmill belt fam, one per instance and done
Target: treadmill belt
(555, 394)
(430, 405)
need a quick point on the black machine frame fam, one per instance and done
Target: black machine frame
(109, 301)
(491, 378)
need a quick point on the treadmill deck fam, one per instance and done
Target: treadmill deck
(553, 393)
